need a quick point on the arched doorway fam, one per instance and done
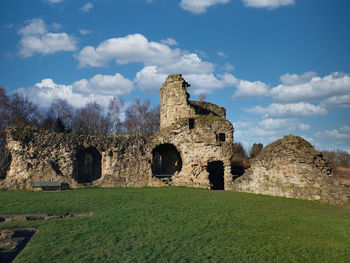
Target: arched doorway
(216, 175)
(166, 160)
(89, 165)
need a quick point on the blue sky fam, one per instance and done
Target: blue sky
(278, 66)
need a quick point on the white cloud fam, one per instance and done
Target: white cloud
(104, 85)
(208, 83)
(269, 4)
(36, 39)
(87, 7)
(149, 79)
(342, 101)
(100, 88)
(227, 67)
(84, 32)
(188, 63)
(248, 89)
(294, 79)
(169, 41)
(288, 110)
(310, 87)
(53, 1)
(285, 125)
(221, 54)
(137, 48)
(46, 91)
(336, 138)
(132, 48)
(200, 6)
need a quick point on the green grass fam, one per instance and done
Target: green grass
(179, 225)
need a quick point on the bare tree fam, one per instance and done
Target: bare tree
(15, 110)
(255, 150)
(63, 114)
(142, 120)
(202, 97)
(91, 121)
(114, 111)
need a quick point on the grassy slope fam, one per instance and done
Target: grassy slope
(179, 225)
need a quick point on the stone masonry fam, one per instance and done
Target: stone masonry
(193, 148)
(291, 167)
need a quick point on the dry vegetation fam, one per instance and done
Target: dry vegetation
(341, 163)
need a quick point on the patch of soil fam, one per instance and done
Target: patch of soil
(342, 174)
(12, 241)
(27, 217)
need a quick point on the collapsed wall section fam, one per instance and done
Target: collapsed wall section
(291, 167)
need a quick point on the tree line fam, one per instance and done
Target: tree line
(136, 118)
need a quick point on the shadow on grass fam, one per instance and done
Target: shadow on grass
(12, 241)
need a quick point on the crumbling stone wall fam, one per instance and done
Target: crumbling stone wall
(175, 104)
(291, 167)
(198, 145)
(199, 131)
(193, 148)
(42, 156)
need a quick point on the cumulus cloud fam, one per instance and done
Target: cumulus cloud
(288, 110)
(100, 88)
(269, 4)
(35, 38)
(342, 101)
(169, 41)
(137, 48)
(132, 48)
(208, 83)
(87, 7)
(311, 87)
(200, 6)
(338, 138)
(227, 67)
(286, 124)
(150, 79)
(104, 85)
(329, 91)
(248, 89)
(44, 92)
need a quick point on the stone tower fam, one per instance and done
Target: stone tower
(174, 100)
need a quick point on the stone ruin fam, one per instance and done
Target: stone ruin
(193, 148)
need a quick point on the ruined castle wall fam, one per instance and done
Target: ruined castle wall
(290, 167)
(43, 156)
(174, 101)
(175, 104)
(198, 145)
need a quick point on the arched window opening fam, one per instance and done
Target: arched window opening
(216, 175)
(89, 165)
(166, 160)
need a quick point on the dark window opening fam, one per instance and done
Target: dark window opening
(216, 175)
(89, 165)
(166, 160)
(221, 137)
(238, 168)
(191, 123)
(5, 162)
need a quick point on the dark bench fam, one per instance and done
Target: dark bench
(47, 185)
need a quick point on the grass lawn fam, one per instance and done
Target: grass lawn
(179, 225)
